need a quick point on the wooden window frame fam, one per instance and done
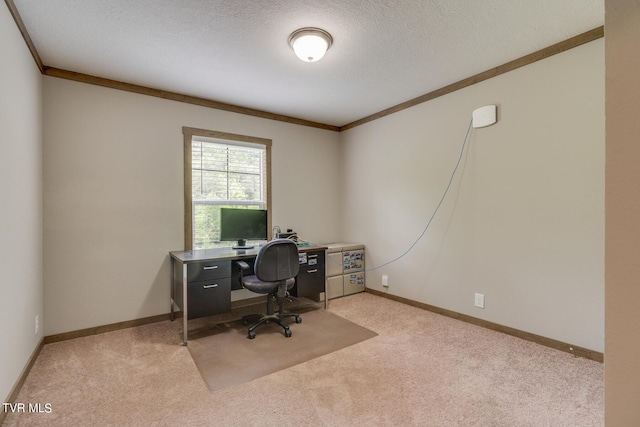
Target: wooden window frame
(189, 133)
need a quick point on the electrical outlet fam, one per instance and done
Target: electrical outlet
(385, 280)
(37, 324)
(479, 302)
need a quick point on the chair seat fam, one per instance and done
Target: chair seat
(254, 285)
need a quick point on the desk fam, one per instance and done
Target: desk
(208, 279)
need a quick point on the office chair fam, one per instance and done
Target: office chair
(275, 269)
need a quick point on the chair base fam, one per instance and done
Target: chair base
(261, 319)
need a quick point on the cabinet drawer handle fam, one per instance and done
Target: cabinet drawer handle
(215, 285)
(315, 270)
(213, 267)
(312, 256)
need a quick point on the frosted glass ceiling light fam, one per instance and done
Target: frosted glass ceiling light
(310, 44)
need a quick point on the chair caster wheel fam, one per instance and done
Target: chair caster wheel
(298, 319)
(251, 335)
(287, 333)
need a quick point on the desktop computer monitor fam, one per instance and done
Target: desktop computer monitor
(240, 225)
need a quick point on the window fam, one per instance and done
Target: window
(222, 170)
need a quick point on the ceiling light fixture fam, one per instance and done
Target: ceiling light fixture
(310, 44)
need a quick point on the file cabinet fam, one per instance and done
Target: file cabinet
(345, 269)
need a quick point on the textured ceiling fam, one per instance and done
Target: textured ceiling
(384, 53)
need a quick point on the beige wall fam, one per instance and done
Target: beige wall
(523, 223)
(113, 196)
(622, 348)
(21, 195)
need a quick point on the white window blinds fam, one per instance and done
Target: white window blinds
(224, 174)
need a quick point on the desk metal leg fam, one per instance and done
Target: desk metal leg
(185, 305)
(326, 295)
(173, 286)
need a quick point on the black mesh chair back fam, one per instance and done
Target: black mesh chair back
(275, 269)
(277, 260)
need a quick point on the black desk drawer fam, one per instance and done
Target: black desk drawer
(209, 297)
(207, 270)
(312, 259)
(310, 281)
(311, 277)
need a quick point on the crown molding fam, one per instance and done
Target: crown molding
(560, 47)
(25, 34)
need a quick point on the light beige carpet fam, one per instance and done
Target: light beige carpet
(226, 357)
(422, 369)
